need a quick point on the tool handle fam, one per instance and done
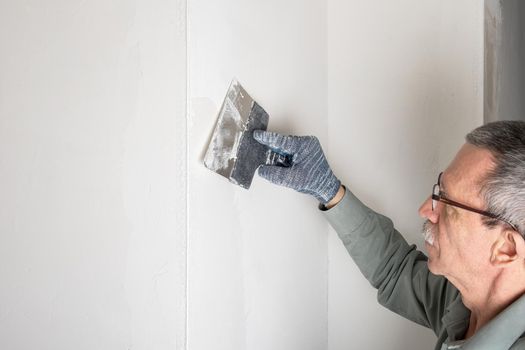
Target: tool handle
(273, 158)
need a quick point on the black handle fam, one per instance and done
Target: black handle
(273, 158)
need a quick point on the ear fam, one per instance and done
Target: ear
(508, 248)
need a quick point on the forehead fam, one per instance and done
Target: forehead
(465, 173)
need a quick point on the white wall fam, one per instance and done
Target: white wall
(257, 263)
(96, 161)
(92, 174)
(390, 89)
(404, 87)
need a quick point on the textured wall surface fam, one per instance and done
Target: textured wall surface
(405, 84)
(257, 264)
(109, 217)
(92, 174)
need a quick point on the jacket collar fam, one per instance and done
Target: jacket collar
(456, 319)
(502, 331)
(499, 334)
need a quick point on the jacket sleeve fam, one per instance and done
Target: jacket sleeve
(397, 270)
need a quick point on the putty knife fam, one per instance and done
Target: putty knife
(233, 152)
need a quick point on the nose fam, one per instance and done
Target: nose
(425, 211)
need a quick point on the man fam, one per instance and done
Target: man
(470, 289)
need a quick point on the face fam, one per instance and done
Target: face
(458, 244)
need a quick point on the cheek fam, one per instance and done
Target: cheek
(445, 224)
(459, 236)
(451, 215)
(449, 234)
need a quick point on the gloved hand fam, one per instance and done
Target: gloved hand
(309, 173)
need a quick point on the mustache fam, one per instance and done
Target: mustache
(427, 226)
(428, 232)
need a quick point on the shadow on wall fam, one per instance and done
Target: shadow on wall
(504, 86)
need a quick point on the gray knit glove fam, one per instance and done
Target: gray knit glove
(309, 173)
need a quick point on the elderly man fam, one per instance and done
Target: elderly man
(469, 290)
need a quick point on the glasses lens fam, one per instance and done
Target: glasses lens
(435, 192)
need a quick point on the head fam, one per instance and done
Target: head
(488, 174)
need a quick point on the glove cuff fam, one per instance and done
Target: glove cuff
(329, 189)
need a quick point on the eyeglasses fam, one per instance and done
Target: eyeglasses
(439, 196)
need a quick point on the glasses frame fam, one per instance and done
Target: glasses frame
(438, 196)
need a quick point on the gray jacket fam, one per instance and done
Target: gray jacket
(405, 285)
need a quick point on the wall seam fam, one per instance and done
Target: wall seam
(327, 238)
(187, 218)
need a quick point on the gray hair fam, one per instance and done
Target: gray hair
(504, 186)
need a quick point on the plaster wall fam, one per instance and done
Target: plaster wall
(106, 109)
(257, 263)
(92, 174)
